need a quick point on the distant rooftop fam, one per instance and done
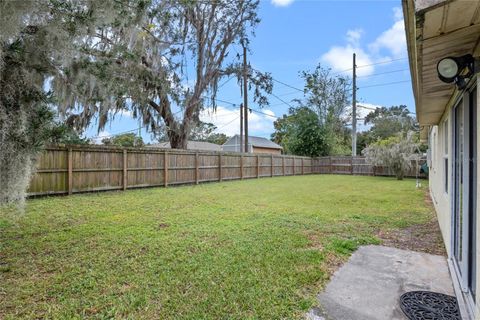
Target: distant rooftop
(254, 141)
(192, 145)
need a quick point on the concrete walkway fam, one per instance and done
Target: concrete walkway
(369, 285)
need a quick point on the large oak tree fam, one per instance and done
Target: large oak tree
(92, 59)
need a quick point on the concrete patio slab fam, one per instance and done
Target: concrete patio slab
(369, 285)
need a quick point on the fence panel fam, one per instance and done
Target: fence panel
(341, 165)
(72, 169)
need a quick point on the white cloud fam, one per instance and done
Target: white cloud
(353, 36)
(363, 109)
(340, 58)
(398, 13)
(281, 3)
(389, 44)
(393, 40)
(228, 121)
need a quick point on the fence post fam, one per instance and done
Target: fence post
(165, 169)
(303, 171)
(220, 167)
(241, 167)
(373, 168)
(196, 168)
(70, 170)
(351, 165)
(283, 165)
(293, 165)
(330, 161)
(258, 166)
(271, 165)
(125, 177)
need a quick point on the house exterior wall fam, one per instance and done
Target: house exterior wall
(439, 193)
(441, 185)
(266, 150)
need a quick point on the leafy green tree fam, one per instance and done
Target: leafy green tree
(364, 138)
(202, 131)
(299, 133)
(205, 131)
(389, 122)
(124, 140)
(327, 95)
(385, 123)
(217, 138)
(62, 133)
(327, 98)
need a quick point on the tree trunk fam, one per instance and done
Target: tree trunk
(178, 140)
(177, 133)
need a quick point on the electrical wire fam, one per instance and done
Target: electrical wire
(236, 118)
(280, 99)
(287, 85)
(384, 84)
(381, 62)
(283, 102)
(371, 64)
(377, 74)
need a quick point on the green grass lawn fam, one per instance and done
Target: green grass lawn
(253, 249)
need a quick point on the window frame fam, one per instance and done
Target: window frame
(446, 172)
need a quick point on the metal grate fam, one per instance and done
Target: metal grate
(427, 305)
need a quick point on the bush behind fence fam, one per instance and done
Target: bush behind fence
(73, 169)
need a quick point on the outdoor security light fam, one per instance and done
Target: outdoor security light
(450, 69)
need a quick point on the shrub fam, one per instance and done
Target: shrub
(396, 152)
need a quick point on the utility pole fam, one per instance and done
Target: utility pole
(240, 147)
(354, 108)
(245, 97)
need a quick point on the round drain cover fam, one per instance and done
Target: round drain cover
(427, 305)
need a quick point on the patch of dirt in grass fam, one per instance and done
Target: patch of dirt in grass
(421, 237)
(314, 242)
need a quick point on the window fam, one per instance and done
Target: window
(434, 150)
(445, 155)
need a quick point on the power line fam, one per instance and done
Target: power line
(377, 74)
(350, 69)
(381, 62)
(229, 78)
(280, 99)
(235, 119)
(364, 107)
(264, 113)
(369, 65)
(384, 84)
(287, 93)
(117, 134)
(287, 85)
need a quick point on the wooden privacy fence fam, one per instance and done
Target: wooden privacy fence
(67, 170)
(358, 166)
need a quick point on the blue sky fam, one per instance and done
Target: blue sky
(296, 35)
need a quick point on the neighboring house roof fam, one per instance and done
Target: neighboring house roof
(258, 142)
(192, 145)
